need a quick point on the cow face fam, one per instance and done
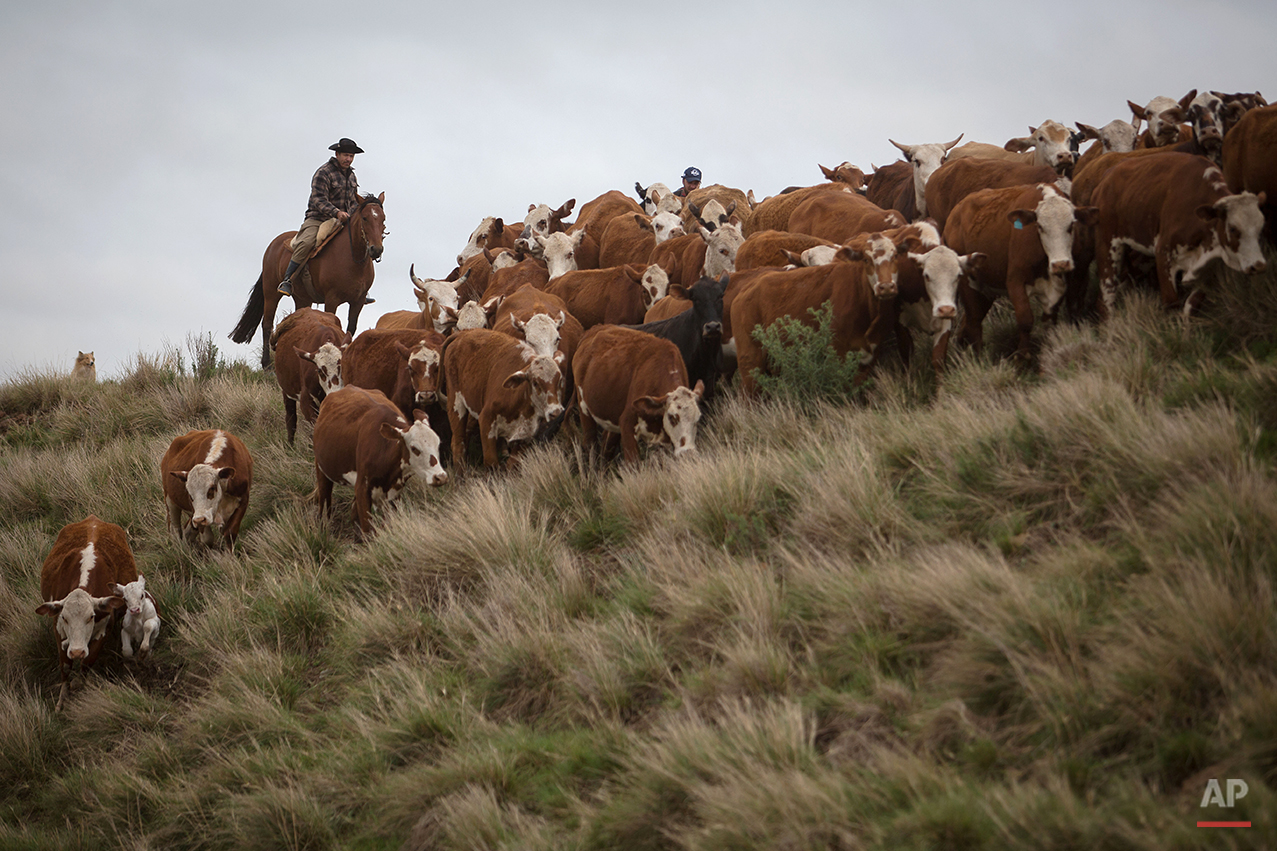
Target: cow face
(1049, 142)
(846, 173)
(713, 215)
(1117, 135)
(481, 238)
(541, 332)
(327, 361)
(942, 268)
(707, 306)
(543, 221)
(419, 449)
(924, 159)
(655, 284)
(80, 620)
(879, 253)
(435, 295)
(720, 249)
(545, 386)
(1163, 117)
(1055, 218)
(1205, 112)
(559, 251)
(1237, 222)
(679, 412)
(206, 486)
(818, 255)
(134, 594)
(471, 315)
(423, 370)
(664, 225)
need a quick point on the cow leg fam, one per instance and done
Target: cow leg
(126, 644)
(363, 506)
(173, 517)
(1166, 280)
(589, 433)
(975, 306)
(940, 345)
(231, 530)
(487, 439)
(1108, 265)
(629, 441)
(352, 314)
(290, 417)
(904, 342)
(323, 493)
(458, 422)
(1023, 315)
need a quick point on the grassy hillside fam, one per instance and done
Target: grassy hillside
(1018, 609)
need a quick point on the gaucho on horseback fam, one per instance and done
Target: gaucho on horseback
(334, 194)
(329, 261)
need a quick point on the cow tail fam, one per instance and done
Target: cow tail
(252, 316)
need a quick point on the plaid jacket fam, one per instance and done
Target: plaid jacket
(332, 189)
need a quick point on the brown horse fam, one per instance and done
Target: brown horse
(342, 273)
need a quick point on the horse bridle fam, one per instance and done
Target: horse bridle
(350, 228)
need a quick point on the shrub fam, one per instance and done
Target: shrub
(804, 367)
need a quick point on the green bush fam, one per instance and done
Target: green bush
(802, 364)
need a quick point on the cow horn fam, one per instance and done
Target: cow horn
(954, 142)
(412, 274)
(906, 149)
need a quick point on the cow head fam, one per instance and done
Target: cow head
(924, 159)
(541, 331)
(1054, 220)
(1205, 112)
(878, 252)
(542, 221)
(134, 595)
(544, 383)
(559, 251)
(418, 448)
(942, 269)
(720, 249)
(485, 235)
(655, 283)
(1237, 104)
(1163, 117)
(679, 411)
(1117, 135)
(657, 198)
(80, 619)
(1237, 221)
(423, 364)
(471, 315)
(845, 173)
(206, 486)
(1049, 142)
(664, 225)
(327, 361)
(707, 306)
(434, 295)
(713, 215)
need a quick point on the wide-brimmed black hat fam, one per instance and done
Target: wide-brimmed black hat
(346, 146)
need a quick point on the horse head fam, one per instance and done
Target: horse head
(370, 222)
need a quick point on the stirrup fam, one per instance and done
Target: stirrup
(285, 287)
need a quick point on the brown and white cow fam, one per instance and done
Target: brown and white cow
(1250, 159)
(714, 206)
(558, 250)
(362, 439)
(77, 584)
(542, 221)
(1048, 145)
(1026, 234)
(206, 474)
(839, 216)
(769, 247)
(542, 319)
(633, 384)
(861, 283)
(1163, 118)
(499, 383)
(308, 345)
(437, 301)
(845, 173)
(658, 198)
(491, 234)
(773, 213)
(1176, 208)
(619, 295)
(686, 259)
(927, 291)
(958, 178)
(402, 364)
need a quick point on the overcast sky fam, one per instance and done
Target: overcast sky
(154, 149)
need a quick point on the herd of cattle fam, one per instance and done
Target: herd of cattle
(632, 313)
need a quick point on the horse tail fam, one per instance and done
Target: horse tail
(252, 316)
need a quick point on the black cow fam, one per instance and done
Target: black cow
(697, 331)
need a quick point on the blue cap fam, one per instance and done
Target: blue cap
(692, 174)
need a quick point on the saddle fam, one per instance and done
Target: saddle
(327, 230)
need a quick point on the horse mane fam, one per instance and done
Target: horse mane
(368, 198)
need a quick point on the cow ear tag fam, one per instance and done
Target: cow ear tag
(1019, 225)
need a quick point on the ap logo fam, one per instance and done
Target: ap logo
(1214, 795)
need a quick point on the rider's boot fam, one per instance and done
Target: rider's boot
(286, 285)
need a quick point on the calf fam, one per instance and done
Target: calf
(502, 384)
(78, 584)
(635, 385)
(861, 283)
(1176, 208)
(363, 440)
(927, 292)
(206, 474)
(403, 365)
(308, 345)
(630, 237)
(141, 618)
(1026, 234)
(697, 332)
(617, 296)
